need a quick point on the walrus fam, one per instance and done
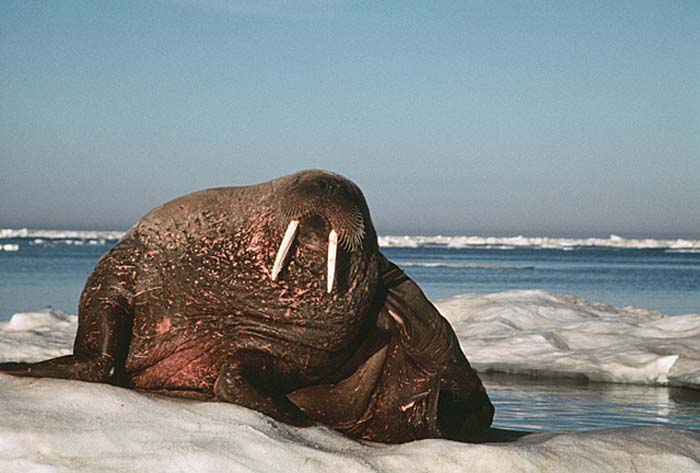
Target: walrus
(275, 297)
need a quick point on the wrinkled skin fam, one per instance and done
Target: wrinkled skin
(184, 305)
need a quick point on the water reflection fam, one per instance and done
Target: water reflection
(555, 404)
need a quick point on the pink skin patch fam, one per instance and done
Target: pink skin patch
(406, 407)
(163, 326)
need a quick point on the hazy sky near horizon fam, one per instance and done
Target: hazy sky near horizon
(482, 117)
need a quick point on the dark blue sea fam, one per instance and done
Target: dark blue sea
(36, 273)
(53, 272)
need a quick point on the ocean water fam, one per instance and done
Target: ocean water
(50, 272)
(40, 272)
(657, 279)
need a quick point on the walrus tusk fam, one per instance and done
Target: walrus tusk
(284, 248)
(332, 251)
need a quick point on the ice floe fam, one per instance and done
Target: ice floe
(56, 425)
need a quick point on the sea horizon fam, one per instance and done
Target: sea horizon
(49, 231)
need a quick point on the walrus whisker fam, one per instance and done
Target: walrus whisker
(332, 251)
(284, 248)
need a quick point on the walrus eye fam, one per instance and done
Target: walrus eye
(332, 250)
(284, 248)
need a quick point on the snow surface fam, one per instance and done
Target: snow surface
(56, 425)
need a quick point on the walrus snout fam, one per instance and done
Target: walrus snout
(330, 196)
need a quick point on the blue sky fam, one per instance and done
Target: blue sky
(453, 117)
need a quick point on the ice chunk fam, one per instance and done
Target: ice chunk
(48, 318)
(538, 333)
(35, 336)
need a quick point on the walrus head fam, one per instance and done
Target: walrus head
(332, 197)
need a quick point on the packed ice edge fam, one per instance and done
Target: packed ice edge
(529, 332)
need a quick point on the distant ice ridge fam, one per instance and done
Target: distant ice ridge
(57, 425)
(506, 243)
(6, 233)
(407, 241)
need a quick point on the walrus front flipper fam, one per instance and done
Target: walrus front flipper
(389, 398)
(464, 408)
(342, 405)
(85, 368)
(104, 326)
(251, 379)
